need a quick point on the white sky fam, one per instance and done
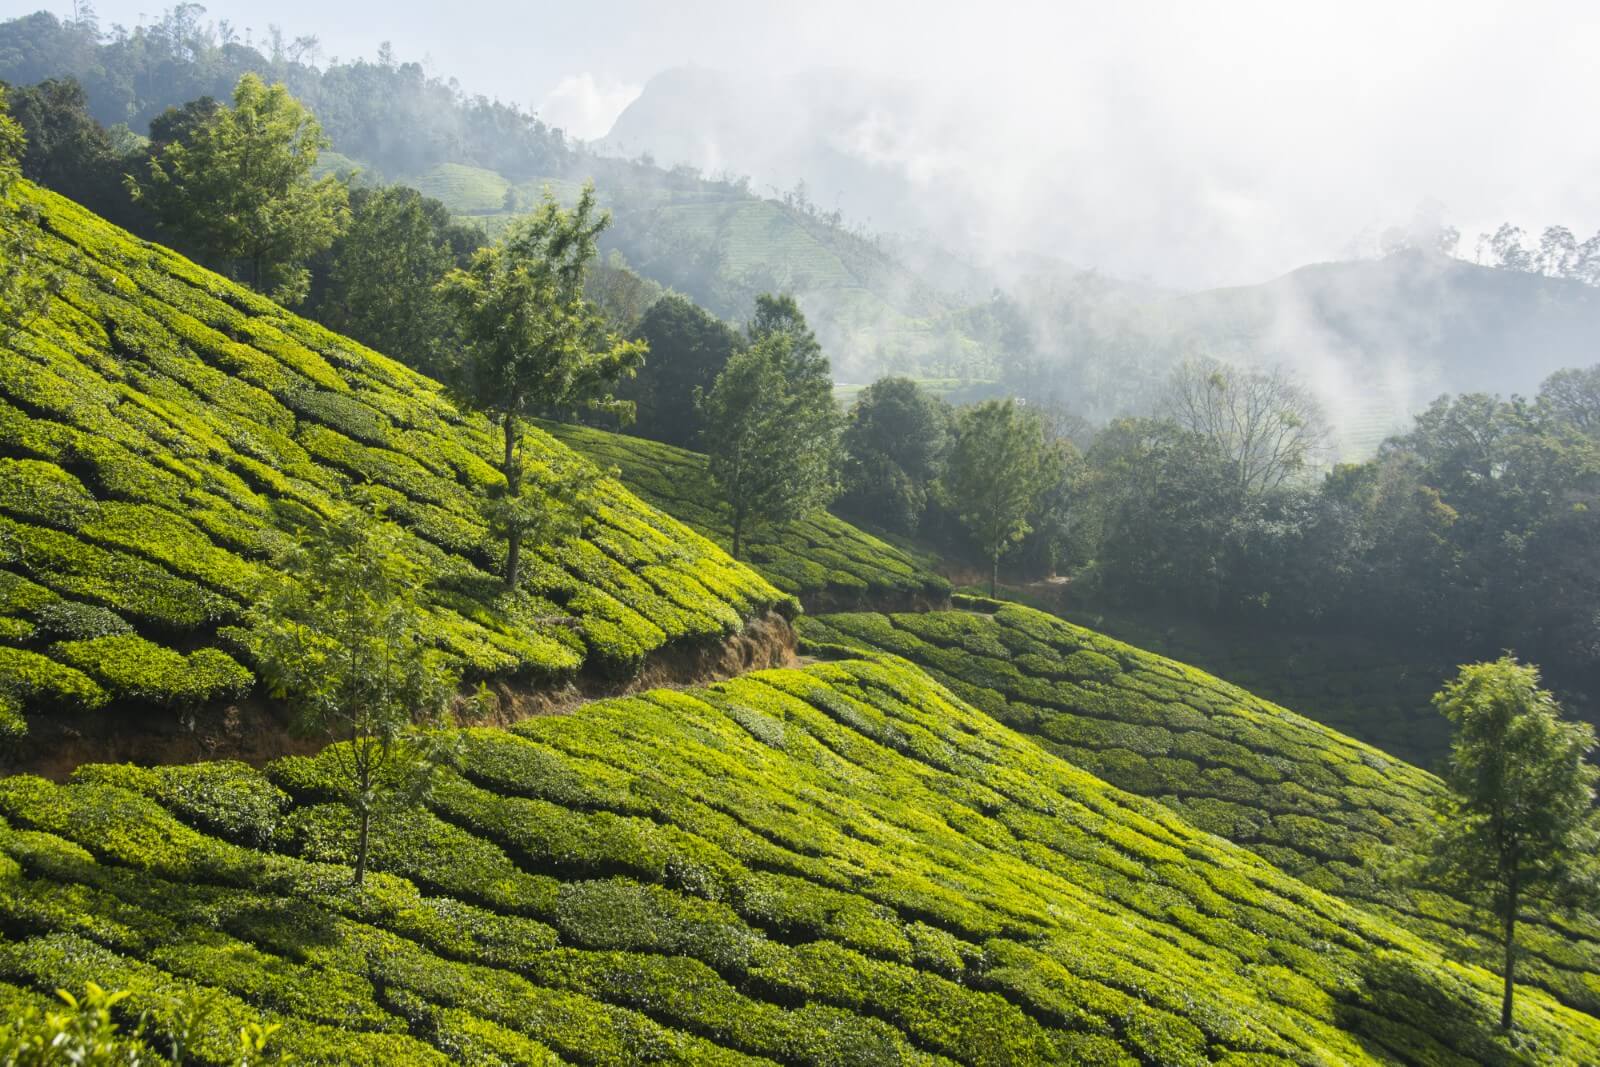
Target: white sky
(1194, 143)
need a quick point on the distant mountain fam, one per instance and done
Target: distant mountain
(833, 130)
(1378, 339)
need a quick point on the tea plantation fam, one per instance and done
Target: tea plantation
(841, 864)
(163, 432)
(1328, 809)
(822, 559)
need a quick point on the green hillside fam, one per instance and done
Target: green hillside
(1321, 806)
(163, 431)
(822, 559)
(837, 865)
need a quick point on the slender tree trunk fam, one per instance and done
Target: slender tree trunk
(1511, 956)
(738, 529)
(361, 842)
(512, 469)
(994, 574)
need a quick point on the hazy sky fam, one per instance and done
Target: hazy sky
(1193, 143)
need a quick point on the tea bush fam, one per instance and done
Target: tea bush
(841, 864)
(163, 433)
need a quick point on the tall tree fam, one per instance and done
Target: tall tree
(772, 432)
(337, 632)
(531, 342)
(688, 349)
(236, 185)
(998, 467)
(1519, 824)
(895, 440)
(1266, 425)
(70, 152)
(382, 276)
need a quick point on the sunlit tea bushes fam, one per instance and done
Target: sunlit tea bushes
(820, 558)
(841, 864)
(163, 433)
(1330, 810)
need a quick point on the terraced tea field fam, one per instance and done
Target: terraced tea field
(843, 864)
(1330, 810)
(822, 559)
(163, 432)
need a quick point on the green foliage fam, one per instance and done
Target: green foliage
(237, 186)
(998, 467)
(895, 442)
(164, 433)
(383, 271)
(842, 864)
(771, 424)
(81, 1031)
(1336, 813)
(532, 341)
(689, 347)
(1519, 823)
(340, 637)
(818, 557)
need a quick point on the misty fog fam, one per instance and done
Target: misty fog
(1190, 145)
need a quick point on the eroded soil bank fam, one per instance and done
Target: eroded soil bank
(257, 730)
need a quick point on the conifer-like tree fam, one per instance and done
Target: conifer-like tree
(998, 467)
(771, 426)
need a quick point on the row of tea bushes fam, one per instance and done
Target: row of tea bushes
(164, 432)
(820, 558)
(1328, 809)
(840, 864)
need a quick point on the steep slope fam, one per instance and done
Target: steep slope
(822, 559)
(1319, 805)
(163, 431)
(838, 865)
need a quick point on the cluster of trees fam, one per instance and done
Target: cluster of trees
(391, 115)
(1556, 254)
(1479, 529)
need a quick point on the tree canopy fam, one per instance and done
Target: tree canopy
(1519, 823)
(998, 466)
(772, 428)
(234, 183)
(531, 342)
(689, 347)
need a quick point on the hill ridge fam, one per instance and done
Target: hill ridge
(164, 431)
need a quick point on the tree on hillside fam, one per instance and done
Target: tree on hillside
(1572, 397)
(71, 153)
(621, 293)
(771, 430)
(531, 342)
(689, 347)
(337, 633)
(235, 184)
(895, 440)
(999, 465)
(1267, 426)
(1518, 825)
(383, 273)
